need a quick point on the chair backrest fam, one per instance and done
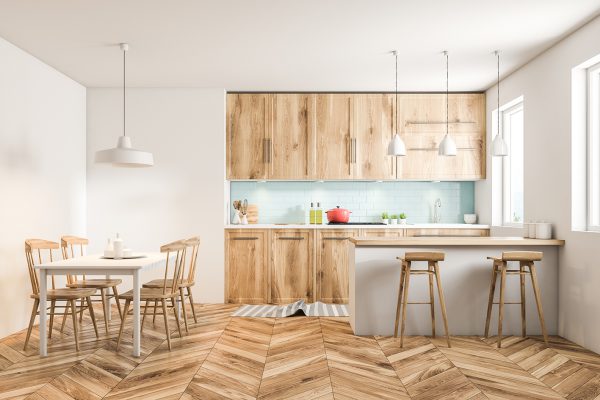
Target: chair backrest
(34, 250)
(68, 244)
(522, 255)
(193, 244)
(178, 248)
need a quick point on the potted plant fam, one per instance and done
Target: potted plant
(403, 219)
(385, 218)
(393, 219)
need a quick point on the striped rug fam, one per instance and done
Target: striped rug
(317, 309)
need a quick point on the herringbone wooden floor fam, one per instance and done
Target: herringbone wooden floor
(224, 357)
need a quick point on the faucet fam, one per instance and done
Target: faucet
(437, 215)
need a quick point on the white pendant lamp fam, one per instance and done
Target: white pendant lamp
(124, 155)
(396, 147)
(499, 147)
(447, 145)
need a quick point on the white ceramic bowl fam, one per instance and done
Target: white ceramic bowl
(470, 218)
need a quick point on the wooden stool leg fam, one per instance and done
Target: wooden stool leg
(182, 299)
(442, 301)
(125, 310)
(34, 312)
(399, 305)
(116, 294)
(431, 298)
(405, 301)
(75, 328)
(523, 309)
(501, 303)
(538, 300)
(52, 306)
(491, 299)
(92, 316)
(104, 309)
(165, 315)
(191, 298)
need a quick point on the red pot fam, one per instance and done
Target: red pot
(338, 215)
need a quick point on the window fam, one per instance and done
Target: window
(593, 147)
(511, 125)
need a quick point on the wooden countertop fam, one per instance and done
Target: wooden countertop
(454, 241)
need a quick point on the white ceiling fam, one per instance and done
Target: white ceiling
(279, 45)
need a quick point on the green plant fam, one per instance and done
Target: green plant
(394, 216)
(402, 216)
(384, 215)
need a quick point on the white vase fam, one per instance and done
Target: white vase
(236, 218)
(244, 220)
(403, 221)
(394, 221)
(386, 221)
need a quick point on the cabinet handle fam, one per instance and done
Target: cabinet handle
(354, 150)
(265, 150)
(291, 238)
(336, 238)
(245, 238)
(269, 150)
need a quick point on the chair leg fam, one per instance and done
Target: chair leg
(442, 301)
(177, 319)
(117, 300)
(154, 315)
(75, 327)
(431, 298)
(399, 305)
(538, 300)
(125, 310)
(191, 299)
(34, 311)
(523, 309)
(182, 299)
(51, 324)
(164, 308)
(104, 309)
(501, 302)
(65, 315)
(405, 301)
(81, 307)
(144, 316)
(93, 317)
(491, 299)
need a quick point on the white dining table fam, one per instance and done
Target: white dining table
(98, 265)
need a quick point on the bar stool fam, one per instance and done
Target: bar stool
(432, 258)
(526, 261)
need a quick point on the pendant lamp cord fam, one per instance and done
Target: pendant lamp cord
(498, 94)
(124, 52)
(396, 95)
(446, 53)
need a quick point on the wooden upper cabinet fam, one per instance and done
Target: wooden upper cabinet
(292, 139)
(422, 120)
(373, 119)
(333, 121)
(332, 264)
(248, 126)
(246, 254)
(291, 265)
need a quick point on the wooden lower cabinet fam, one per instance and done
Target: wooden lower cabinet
(446, 232)
(382, 233)
(291, 265)
(246, 253)
(332, 265)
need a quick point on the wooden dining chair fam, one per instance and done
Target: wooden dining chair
(68, 245)
(168, 291)
(34, 249)
(188, 281)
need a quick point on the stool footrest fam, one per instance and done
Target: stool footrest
(509, 302)
(419, 302)
(421, 272)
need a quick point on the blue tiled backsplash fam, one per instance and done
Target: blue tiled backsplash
(289, 202)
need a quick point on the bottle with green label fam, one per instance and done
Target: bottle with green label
(319, 214)
(312, 214)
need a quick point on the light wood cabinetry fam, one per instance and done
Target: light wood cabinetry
(333, 120)
(291, 267)
(446, 232)
(248, 127)
(332, 265)
(373, 128)
(422, 125)
(246, 279)
(383, 233)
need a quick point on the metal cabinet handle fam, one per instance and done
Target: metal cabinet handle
(245, 238)
(336, 238)
(265, 150)
(291, 238)
(269, 150)
(354, 150)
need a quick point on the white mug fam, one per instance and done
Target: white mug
(543, 231)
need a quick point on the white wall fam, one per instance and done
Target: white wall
(182, 195)
(545, 83)
(42, 170)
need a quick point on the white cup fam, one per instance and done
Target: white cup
(526, 229)
(532, 230)
(543, 230)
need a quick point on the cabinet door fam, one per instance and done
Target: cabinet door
(248, 119)
(422, 119)
(446, 232)
(291, 266)
(246, 272)
(373, 117)
(292, 137)
(332, 265)
(382, 233)
(333, 113)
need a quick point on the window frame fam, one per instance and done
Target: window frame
(592, 117)
(516, 105)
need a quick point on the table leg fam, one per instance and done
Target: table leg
(108, 310)
(43, 305)
(136, 313)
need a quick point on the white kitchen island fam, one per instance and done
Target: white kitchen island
(374, 275)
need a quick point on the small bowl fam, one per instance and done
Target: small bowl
(470, 218)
